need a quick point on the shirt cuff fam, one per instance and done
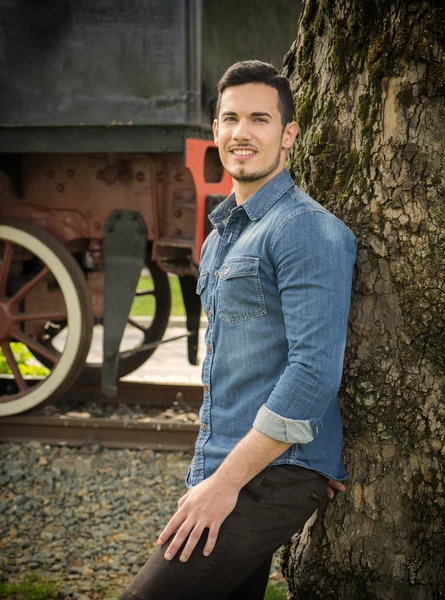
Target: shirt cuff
(283, 429)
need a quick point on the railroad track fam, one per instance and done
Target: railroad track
(148, 394)
(79, 429)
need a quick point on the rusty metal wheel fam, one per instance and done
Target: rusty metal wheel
(40, 284)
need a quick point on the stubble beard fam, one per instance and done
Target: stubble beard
(242, 177)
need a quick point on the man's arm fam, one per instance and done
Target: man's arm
(209, 503)
(313, 254)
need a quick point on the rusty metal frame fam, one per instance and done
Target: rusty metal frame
(195, 156)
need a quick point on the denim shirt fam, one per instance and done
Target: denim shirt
(275, 284)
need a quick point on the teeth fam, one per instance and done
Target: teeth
(243, 152)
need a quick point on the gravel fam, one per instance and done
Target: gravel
(84, 514)
(87, 516)
(85, 409)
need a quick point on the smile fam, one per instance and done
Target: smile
(243, 152)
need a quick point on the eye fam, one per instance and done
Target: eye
(229, 119)
(260, 119)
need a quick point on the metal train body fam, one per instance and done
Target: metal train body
(107, 167)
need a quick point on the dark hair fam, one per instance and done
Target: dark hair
(256, 71)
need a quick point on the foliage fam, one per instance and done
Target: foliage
(33, 587)
(276, 591)
(28, 365)
(144, 305)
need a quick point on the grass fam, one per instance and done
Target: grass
(25, 360)
(276, 591)
(145, 304)
(33, 587)
(36, 587)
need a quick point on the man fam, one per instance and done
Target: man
(275, 283)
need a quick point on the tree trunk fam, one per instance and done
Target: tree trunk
(369, 81)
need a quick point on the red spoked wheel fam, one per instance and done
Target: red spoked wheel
(40, 284)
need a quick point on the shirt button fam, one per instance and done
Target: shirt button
(216, 273)
(204, 427)
(206, 388)
(209, 349)
(210, 312)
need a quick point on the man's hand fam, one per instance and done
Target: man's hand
(332, 486)
(207, 504)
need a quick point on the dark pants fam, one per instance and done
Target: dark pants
(270, 509)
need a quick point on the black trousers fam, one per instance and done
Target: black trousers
(270, 509)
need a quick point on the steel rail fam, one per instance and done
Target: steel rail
(113, 433)
(74, 431)
(130, 392)
(144, 393)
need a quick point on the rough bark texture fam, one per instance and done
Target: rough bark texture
(369, 83)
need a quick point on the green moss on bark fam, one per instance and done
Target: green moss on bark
(405, 95)
(304, 62)
(339, 58)
(379, 58)
(309, 13)
(304, 107)
(364, 104)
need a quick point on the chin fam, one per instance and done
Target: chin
(248, 177)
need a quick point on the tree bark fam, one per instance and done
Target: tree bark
(368, 77)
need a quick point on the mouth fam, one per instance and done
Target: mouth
(243, 153)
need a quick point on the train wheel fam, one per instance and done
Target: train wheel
(34, 264)
(139, 331)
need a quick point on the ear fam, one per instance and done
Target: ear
(215, 131)
(289, 135)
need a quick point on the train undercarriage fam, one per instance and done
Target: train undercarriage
(76, 234)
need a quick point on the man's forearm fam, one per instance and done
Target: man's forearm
(252, 454)
(207, 504)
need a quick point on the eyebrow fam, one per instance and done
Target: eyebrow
(232, 113)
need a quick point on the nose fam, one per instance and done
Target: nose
(242, 131)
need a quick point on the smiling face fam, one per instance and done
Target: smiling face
(250, 136)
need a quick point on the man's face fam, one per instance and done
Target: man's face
(249, 134)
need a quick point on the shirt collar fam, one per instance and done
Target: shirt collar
(259, 203)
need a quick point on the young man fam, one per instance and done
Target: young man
(275, 283)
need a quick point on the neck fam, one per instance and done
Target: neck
(244, 190)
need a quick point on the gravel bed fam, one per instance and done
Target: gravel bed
(85, 409)
(88, 516)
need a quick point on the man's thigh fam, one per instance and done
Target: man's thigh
(270, 509)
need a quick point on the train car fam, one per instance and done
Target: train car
(107, 170)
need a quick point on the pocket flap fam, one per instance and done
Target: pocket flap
(241, 266)
(202, 281)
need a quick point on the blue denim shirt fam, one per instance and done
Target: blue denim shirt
(275, 284)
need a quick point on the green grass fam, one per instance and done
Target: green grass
(25, 361)
(145, 304)
(33, 587)
(276, 591)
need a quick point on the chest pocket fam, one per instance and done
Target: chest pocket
(240, 295)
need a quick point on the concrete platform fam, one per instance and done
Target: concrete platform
(169, 364)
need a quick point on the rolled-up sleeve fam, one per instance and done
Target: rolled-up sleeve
(313, 254)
